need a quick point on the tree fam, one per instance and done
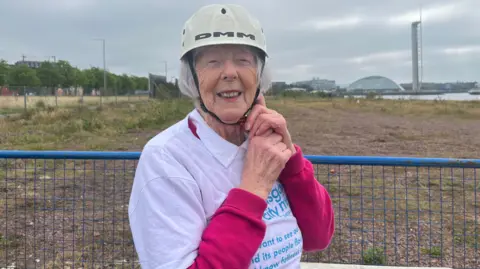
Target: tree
(111, 83)
(141, 83)
(63, 74)
(50, 76)
(90, 79)
(79, 78)
(126, 84)
(22, 75)
(4, 72)
(67, 72)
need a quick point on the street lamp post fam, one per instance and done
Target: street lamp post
(54, 88)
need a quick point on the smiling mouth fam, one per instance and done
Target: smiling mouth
(229, 94)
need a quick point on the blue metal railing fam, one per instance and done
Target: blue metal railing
(315, 159)
(69, 208)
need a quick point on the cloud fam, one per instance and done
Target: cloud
(341, 40)
(333, 23)
(433, 14)
(464, 50)
(380, 57)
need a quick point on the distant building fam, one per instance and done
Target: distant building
(279, 84)
(446, 87)
(277, 87)
(141, 92)
(296, 89)
(31, 64)
(375, 84)
(318, 84)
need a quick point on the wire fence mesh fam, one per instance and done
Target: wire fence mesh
(403, 216)
(59, 213)
(70, 210)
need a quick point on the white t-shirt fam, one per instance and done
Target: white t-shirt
(184, 180)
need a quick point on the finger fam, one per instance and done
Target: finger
(269, 122)
(266, 133)
(274, 138)
(280, 146)
(257, 109)
(259, 121)
(252, 116)
(286, 154)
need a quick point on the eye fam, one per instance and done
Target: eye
(244, 60)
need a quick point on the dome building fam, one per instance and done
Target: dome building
(374, 84)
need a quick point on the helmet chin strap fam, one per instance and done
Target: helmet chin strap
(204, 108)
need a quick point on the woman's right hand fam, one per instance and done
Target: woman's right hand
(266, 157)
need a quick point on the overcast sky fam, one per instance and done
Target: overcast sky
(342, 40)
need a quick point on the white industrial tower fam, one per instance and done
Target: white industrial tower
(417, 53)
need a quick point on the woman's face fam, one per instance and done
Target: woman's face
(227, 76)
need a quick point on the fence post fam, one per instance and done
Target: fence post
(24, 99)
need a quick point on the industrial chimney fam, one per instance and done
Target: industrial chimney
(415, 56)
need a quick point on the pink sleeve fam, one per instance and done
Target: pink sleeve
(310, 202)
(234, 233)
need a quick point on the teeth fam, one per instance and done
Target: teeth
(229, 94)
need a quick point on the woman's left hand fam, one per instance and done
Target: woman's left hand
(262, 120)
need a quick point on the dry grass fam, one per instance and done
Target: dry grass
(66, 214)
(89, 128)
(422, 108)
(18, 103)
(384, 127)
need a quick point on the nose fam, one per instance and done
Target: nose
(229, 71)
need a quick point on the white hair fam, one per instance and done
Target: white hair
(188, 88)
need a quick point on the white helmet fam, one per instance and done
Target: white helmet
(222, 24)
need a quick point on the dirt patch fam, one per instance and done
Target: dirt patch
(343, 132)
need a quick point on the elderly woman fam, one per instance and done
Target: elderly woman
(226, 187)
